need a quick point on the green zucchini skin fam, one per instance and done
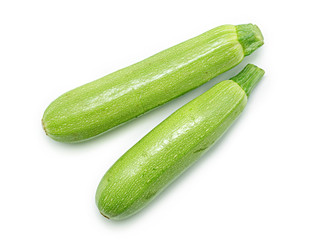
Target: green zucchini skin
(171, 147)
(96, 107)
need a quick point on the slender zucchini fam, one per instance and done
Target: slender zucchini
(172, 146)
(96, 107)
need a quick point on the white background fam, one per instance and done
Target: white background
(263, 180)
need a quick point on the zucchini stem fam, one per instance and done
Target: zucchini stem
(250, 37)
(248, 78)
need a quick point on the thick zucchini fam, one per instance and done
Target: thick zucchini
(96, 107)
(171, 147)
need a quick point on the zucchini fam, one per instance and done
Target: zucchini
(172, 146)
(96, 107)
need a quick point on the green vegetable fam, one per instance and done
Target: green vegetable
(171, 147)
(96, 107)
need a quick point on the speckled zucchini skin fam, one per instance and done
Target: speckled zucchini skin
(164, 153)
(96, 107)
